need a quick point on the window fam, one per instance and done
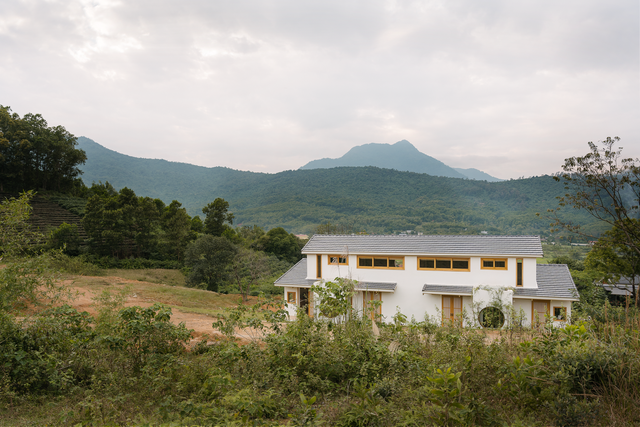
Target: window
(338, 260)
(381, 262)
(519, 272)
(319, 266)
(560, 313)
(493, 264)
(451, 264)
(291, 297)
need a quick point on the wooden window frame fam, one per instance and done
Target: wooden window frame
(345, 257)
(318, 266)
(519, 272)
(435, 259)
(506, 263)
(387, 257)
(563, 309)
(293, 300)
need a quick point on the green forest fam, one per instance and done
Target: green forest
(131, 365)
(368, 199)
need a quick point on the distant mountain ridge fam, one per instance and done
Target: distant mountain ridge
(401, 156)
(367, 198)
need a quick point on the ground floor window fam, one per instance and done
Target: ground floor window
(291, 297)
(560, 313)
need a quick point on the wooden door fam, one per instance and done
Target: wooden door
(539, 311)
(451, 310)
(374, 311)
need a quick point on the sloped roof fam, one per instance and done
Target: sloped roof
(297, 276)
(376, 286)
(425, 245)
(554, 282)
(447, 290)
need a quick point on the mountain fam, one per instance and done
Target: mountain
(366, 198)
(402, 156)
(476, 174)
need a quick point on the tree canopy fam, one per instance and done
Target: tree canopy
(607, 186)
(34, 155)
(218, 218)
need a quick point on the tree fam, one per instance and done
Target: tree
(15, 233)
(248, 268)
(176, 225)
(217, 214)
(284, 245)
(27, 277)
(66, 238)
(605, 185)
(615, 260)
(34, 155)
(209, 259)
(121, 224)
(197, 225)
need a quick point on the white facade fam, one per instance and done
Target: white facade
(431, 292)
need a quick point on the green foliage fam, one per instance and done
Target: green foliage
(15, 233)
(209, 259)
(36, 156)
(607, 187)
(368, 198)
(146, 334)
(217, 217)
(66, 238)
(28, 277)
(278, 242)
(334, 297)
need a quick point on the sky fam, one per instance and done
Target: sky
(508, 87)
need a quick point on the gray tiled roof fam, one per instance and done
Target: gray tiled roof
(447, 289)
(375, 286)
(554, 282)
(427, 245)
(296, 276)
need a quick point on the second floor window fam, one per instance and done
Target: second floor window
(493, 263)
(338, 260)
(391, 262)
(446, 264)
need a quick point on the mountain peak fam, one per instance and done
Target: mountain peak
(402, 156)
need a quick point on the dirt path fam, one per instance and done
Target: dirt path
(201, 324)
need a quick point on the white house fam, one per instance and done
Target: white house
(457, 278)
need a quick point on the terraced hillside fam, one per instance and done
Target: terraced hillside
(47, 215)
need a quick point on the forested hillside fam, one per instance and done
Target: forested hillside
(364, 198)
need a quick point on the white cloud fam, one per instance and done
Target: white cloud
(511, 88)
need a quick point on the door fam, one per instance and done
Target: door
(539, 311)
(372, 304)
(306, 301)
(451, 310)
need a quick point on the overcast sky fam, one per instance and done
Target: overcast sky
(509, 87)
